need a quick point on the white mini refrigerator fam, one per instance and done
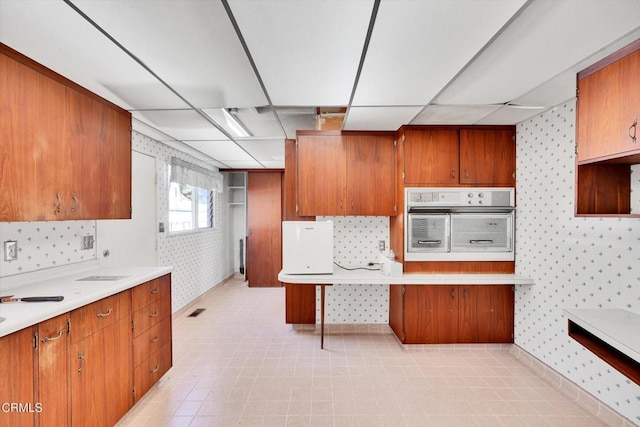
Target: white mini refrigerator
(307, 247)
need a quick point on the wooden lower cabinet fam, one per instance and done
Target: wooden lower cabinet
(53, 371)
(152, 344)
(17, 377)
(300, 302)
(442, 314)
(102, 370)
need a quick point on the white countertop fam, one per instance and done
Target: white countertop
(618, 328)
(19, 315)
(341, 276)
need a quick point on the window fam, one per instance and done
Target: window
(192, 195)
(190, 208)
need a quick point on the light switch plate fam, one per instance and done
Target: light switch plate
(10, 250)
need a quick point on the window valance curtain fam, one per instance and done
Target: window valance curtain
(187, 173)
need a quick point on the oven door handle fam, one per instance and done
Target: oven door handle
(481, 241)
(429, 242)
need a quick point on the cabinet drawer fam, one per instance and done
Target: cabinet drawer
(149, 341)
(95, 316)
(153, 290)
(151, 370)
(150, 315)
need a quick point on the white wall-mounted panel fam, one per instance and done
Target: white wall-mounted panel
(453, 114)
(417, 47)
(190, 44)
(379, 118)
(307, 52)
(180, 124)
(548, 38)
(53, 34)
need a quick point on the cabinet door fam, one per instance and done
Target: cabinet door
(486, 314)
(17, 376)
(502, 313)
(100, 159)
(33, 152)
(431, 157)
(431, 314)
(487, 157)
(608, 104)
(53, 372)
(371, 175)
(322, 177)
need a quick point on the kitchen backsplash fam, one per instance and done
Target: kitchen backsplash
(43, 245)
(355, 244)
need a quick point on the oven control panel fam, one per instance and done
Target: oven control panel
(460, 196)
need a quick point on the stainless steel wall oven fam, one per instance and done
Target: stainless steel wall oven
(460, 224)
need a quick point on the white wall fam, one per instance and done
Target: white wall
(575, 262)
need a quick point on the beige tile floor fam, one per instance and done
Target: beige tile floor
(239, 364)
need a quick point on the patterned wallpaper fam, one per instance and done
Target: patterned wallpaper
(44, 245)
(355, 243)
(576, 262)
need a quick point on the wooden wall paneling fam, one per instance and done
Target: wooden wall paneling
(300, 302)
(396, 310)
(289, 193)
(459, 267)
(264, 223)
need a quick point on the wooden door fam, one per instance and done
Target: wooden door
(431, 157)
(321, 173)
(431, 314)
(487, 157)
(502, 313)
(33, 152)
(371, 178)
(264, 223)
(608, 104)
(53, 372)
(17, 379)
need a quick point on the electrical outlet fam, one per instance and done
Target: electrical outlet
(87, 242)
(10, 250)
(381, 246)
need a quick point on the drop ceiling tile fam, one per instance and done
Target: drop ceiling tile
(417, 47)
(190, 44)
(379, 118)
(307, 52)
(266, 150)
(226, 152)
(453, 114)
(180, 124)
(244, 164)
(262, 124)
(509, 115)
(546, 39)
(53, 34)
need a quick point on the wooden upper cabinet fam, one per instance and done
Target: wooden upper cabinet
(346, 174)
(431, 156)
(608, 106)
(66, 153)
(487, 157)
(322, 175)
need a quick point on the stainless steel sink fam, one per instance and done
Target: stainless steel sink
(101, 278)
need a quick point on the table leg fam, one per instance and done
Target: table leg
(322, 316)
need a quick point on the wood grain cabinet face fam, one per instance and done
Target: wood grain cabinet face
(66, 152)
(431, 157)
(53, 371)
(152, 343)
(608, 107)
(17, 377)
(346, 174)
(440, 314)
(487, 157)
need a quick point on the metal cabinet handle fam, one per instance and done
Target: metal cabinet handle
(464, 293)
(154, 340)
(154, 314)
(154, 370)
(155, 290)
(108, 313)
(76, 202)
(453, 293)
(60, 334)
(633, 127)
(453, 174)
(82, 362)
(58, 202)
